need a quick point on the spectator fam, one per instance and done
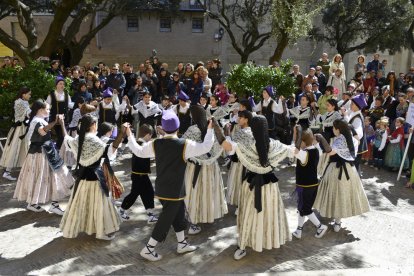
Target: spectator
(116, 81)
(104, 73)
(401, 81)
(321, 78)
(360, 65)
(324, 63)
(324, 99)
(136, 92)
(297, 75)
(215, 73)
(130, 76)
(310, 78)
(180, 69)
(74, 86)
(393, 83)
(7, 62)
(337, 82)
(369, 82)
(358, 82)
(54, 68)
(174, 87)
(315, 91)
(381, 80)
(375, 64)
(82, 92)
(384, 64)
(203, 72)
(195, 88)
(156, 65)
(96, 90)
(150, 80)
(141, 70)
(337, 64)
(163, 81)
(188, 74)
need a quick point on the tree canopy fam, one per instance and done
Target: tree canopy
(71, 13)
(350, 25)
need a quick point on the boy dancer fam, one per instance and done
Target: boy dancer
(141, 183)
(170, 155)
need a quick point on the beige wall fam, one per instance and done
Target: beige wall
(115, 44)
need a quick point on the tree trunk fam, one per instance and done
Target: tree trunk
(280, 48)
(244, 58)
(76, 55)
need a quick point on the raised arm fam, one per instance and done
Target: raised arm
(193, 148)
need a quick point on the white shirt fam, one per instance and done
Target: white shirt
(146, 109)
(192, 148)
(183, 110)
(60, 97)
(302, 155)
(357, 124)
(277, 107)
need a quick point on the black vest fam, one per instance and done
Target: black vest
(363, 146)
(169, 159)
(269, 114)
(307, 173)
(107, 114)
(58, 107)
(140, 165)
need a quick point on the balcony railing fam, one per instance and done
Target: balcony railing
(192, 5)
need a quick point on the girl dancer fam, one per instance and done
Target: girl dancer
(205, 200)
(182, 109)
(237, 170)
(261, 222)
(215, 109)
(302, 113)
(90, 208)
(16, 149)
(43, 176)
(340, 193)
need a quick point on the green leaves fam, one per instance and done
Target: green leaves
(34, 76)
(249, 80)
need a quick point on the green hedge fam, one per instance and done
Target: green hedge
(33, 76)
(249, 80)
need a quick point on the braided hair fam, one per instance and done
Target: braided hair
(345, 130)
(261, 135)
(85, 124)
(199, 117)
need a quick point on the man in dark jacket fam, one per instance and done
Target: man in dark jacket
(116, 80)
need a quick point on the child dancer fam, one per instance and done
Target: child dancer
(268, 108)
(170, 154)
(380, 143)
(205, 200)
(107, 130)
(90, 208)
(107, 111)
(237, 170)
(395, 148)
(340, 193)
(370, 133)
(307, 181)
(182, 109)
(141, 183)
(16, 149)
(261, 222)
(215, 109)
(302, 113)
(67, 155)
(43, 176)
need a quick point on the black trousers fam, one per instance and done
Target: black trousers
(306, 201)
(141, 186)
(173, 213)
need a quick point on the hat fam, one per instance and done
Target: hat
(360, 101)
(107, 93)
(58, 79)
(169, 121)
(182, 96)
(252, 103)
(269, 90)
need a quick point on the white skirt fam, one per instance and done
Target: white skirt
(341, 198)
(267, 229)
(89, 211)
(38, 183)
(234, 182)
(206, 201)
(14, 153)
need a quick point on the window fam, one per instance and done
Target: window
(165, 25)
(195, 4)
(132, 24)
(198, 25)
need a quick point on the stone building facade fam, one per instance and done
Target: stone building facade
(190, 38)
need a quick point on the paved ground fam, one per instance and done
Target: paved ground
(378, 243)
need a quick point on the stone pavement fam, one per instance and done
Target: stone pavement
(378, 243)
